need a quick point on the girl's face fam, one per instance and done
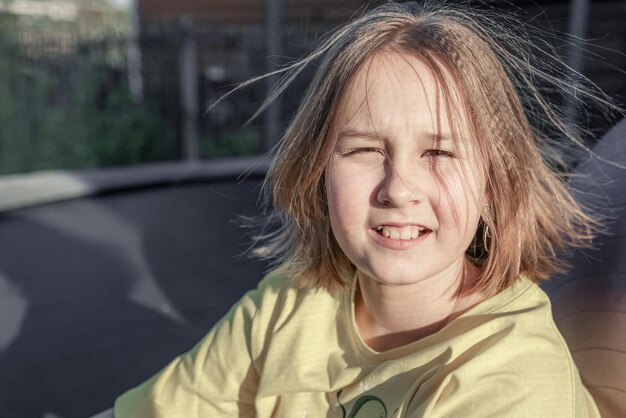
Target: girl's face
(403, 200)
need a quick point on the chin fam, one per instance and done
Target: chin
(395, 278)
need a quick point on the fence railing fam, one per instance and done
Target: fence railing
(71, 102)
(66, 101)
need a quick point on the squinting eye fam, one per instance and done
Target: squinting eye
(365, 150)
(438, 153)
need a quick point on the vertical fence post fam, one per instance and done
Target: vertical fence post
(135, 78)
(189, 90)
(577, 30)
(273, 29)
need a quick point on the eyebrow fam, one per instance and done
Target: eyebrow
(369, 135)
(353, 133)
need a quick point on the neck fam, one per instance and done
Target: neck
(389, 316)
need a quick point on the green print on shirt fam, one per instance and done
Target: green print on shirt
(366, 406)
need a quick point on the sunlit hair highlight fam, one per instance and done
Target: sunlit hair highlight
(530, 214)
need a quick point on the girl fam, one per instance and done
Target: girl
(417, 215)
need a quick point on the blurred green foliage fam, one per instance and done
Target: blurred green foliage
(232, 143)
(65, 102)
(68, 111)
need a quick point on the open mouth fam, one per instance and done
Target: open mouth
(403, 233)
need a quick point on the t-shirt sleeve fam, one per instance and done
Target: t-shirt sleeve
(519, 394)
(217, 378)
(510, 400)
(515, 365)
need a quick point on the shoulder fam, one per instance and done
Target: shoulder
(279, 303)
(273, 287)
(516, 362)
(278, 291)
(531, 346)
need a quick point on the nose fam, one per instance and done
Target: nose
(401, 185)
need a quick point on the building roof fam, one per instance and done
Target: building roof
(243, 11)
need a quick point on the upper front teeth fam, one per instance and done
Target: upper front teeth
(401, 232)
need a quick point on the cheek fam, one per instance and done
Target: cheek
(340, 199)
(347, 195)
(338, 212)
(333, 199)
(457, 201)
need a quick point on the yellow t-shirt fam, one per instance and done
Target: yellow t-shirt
(294, 353)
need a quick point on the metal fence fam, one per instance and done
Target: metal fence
(65, 101)
(191, 67)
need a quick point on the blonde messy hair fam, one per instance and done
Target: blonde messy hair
(531, 214)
